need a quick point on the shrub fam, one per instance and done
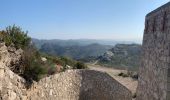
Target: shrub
(15, 35)
(123, 74)
(5, 38)
(134, 95)
(34, 68)
(120, 74)
(80, 65)
(134, 75)
(68, 61)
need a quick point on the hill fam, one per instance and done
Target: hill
(75, 51)
(78, 42)
(122, 56)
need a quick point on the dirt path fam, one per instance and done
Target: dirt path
(128, 82)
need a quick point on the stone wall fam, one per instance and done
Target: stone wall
(69, 85)
(154, 72)
(80, 85)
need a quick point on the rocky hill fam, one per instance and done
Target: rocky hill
(75, 51)
(122, 56)
(78, 42)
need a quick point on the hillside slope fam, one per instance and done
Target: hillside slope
(122, 56)
(75, 51)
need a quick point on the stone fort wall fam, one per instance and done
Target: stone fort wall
(154, 72)
(80, 85)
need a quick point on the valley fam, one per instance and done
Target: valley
(119, 55)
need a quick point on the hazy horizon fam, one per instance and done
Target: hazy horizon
(89, 19)
(98, 40)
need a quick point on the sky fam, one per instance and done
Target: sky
(79, 19)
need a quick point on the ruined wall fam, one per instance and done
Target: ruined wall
(69, 85)
(154, 72)
(80, 85)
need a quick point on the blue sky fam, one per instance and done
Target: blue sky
(77, 19)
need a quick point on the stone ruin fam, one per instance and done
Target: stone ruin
(154, 72)
(80, 85)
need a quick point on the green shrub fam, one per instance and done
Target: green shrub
(134, 95)
(68, 61)
(5, 38)
(123, 74)
(34, 69)
(80, 65)
(15, 35)
(120, 74)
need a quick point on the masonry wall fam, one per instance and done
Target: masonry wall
(80, 85)
(154, 72)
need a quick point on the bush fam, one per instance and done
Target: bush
(5, 38)
(134, 95)
(68, 61)
(64, 61)
(123, 74)
(80, 65)
(15, 35)
(34, 69)
(133, 74)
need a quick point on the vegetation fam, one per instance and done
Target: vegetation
(131, 74)
(74, 51)
(65, 62)
(34, 68)
(124, 56)
(123, 74)
(80, 65)
(15, 35)
(134, 95)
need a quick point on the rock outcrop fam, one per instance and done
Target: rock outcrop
(69, 85)
(122, 56)
(12, 86)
